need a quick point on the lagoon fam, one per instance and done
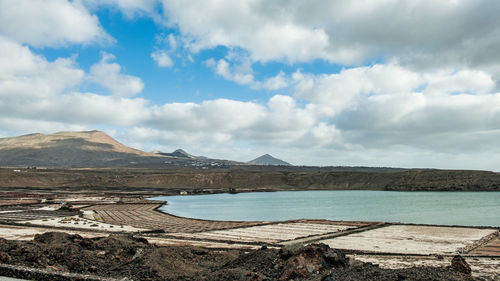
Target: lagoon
(442, 208)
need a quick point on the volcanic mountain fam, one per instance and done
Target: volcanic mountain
(179, 153)
(91, 149)
(267, 159)
(68, 149)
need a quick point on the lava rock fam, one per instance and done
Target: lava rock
(313, 259)
(459, 264)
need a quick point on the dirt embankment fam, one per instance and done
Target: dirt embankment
(245, 180)
(127, 257)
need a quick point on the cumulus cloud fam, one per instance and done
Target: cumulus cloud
(358, 113)
(241, 74)
(436, 111)
(32, 89)
(432, 100)
(130, 8)
(422, 33)
(217, 121)
(338, 91)
(50, 23)
(245, 24)
(166, 47)
(108, 74)
(26, 75)
(277, 82)
(162, 59)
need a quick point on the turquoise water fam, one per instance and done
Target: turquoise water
(447, 208)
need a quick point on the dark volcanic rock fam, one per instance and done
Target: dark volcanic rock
(459, 264)
(123, 256)
(312, 259)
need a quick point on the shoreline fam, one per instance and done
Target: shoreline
(278, 207)
(359, 240)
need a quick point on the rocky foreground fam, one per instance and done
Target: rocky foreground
(122, 256)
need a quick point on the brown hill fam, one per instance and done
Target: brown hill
(68, 149)
(268, 160)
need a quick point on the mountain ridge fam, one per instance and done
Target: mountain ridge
(91, 149)
(179, 153)
(268, 160)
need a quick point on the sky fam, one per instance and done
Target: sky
(385, 83)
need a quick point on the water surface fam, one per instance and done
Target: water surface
(447, 208)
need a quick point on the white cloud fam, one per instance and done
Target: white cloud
(162, 59)
(172, 42)
(28, 126)
(437, 94)
(356, 111)
(336, 92)
(241, 74)
(422, 33)
(108, 74)
(244, 24)
(277, 82)
(49, 23)
(130, 8)
(26, 75)
(471, 81)
(211, 116)
(33, 88)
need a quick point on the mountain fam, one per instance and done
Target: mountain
(267, 159)
(92, 149)
(179, 153)
(68, 149)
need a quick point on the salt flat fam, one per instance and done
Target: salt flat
(411, 239)
(270, 233)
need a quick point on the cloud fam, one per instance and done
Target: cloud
(371, 110)
(162, 59)
(244, 24)
(421, 33)
(446, 123)
(220, 115)
(108, 74)
(51, 23)
(441, 111)
(26, 75)
(241, 74)
(277, 82)
(130, 8)
(33, 88)
(237, 67)
(29, 126)
(431, 100)
(336, 92)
